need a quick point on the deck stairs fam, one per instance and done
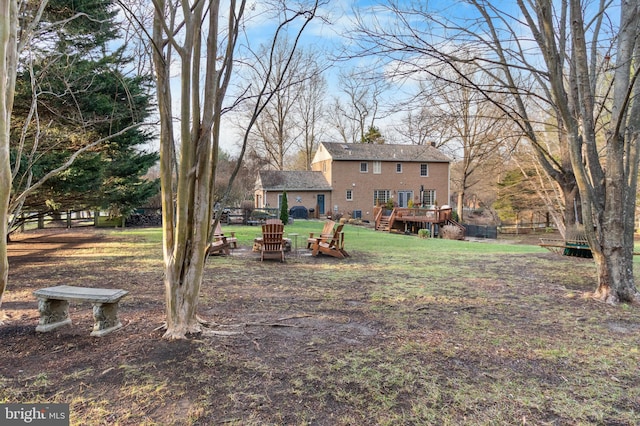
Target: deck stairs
(383, 225)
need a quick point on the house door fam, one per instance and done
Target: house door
(320, 204)
(404, 197)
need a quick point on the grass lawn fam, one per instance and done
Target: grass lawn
(404, 331)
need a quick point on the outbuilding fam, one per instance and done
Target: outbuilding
(304, 188)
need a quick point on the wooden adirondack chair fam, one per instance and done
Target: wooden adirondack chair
(219, 235)
(219, 246)
(327, 232)
(332, 246)
(272, 241)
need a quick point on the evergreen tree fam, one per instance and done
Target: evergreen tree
(284, 208)
(373, 135)
(516, 195)
(82, 95)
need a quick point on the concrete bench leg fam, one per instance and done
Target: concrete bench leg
(54, 313)
(105, 317)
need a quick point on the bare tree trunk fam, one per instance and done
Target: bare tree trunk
(460, 206)
(608, 192)
(8, 64)
(186, 193)
(5, 115)
(187, 179)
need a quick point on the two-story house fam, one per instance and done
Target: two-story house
(357, 177)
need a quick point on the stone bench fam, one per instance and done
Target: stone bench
(53, 305)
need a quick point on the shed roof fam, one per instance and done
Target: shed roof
(384, 152)
(291, 180)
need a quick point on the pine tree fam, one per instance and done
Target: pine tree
(83, 94)
(373, 135)
(284, 208)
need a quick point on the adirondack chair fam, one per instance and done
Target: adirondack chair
(218, 235)
(273, 221)
(272, 241)
(332, 246)
(327, 231)
(219, 246)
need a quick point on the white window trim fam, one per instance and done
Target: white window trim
(387, 194)
(433, 196)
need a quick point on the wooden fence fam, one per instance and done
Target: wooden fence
(69, 219)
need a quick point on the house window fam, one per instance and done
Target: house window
(380, 196)
(349, 195)
(364, 167)
(424, 169)
(377, 167)
(398, 167)
(429, 197)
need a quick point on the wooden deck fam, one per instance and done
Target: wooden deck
(412, 219)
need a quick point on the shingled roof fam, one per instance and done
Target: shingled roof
(278, 180)
(384, 152)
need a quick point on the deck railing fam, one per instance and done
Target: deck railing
(377, 215)
(417, 214)
(413, 214)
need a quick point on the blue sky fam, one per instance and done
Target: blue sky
(329, 35)
(324, 35)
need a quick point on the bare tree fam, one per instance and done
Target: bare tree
(603, 146)
(468, 126)
(559, 70)
(549, 192)
(347, 129)
(8, 28)
(418, 126)
(360, 106)
(201, 38)
(311, 112)
(278, 130)
(13, 37)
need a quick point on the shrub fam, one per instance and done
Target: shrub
(451, 232)
(423, 233)
(284, 208)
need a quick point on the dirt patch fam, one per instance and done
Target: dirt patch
(245, 322)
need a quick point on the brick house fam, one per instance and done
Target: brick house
(350, 179)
